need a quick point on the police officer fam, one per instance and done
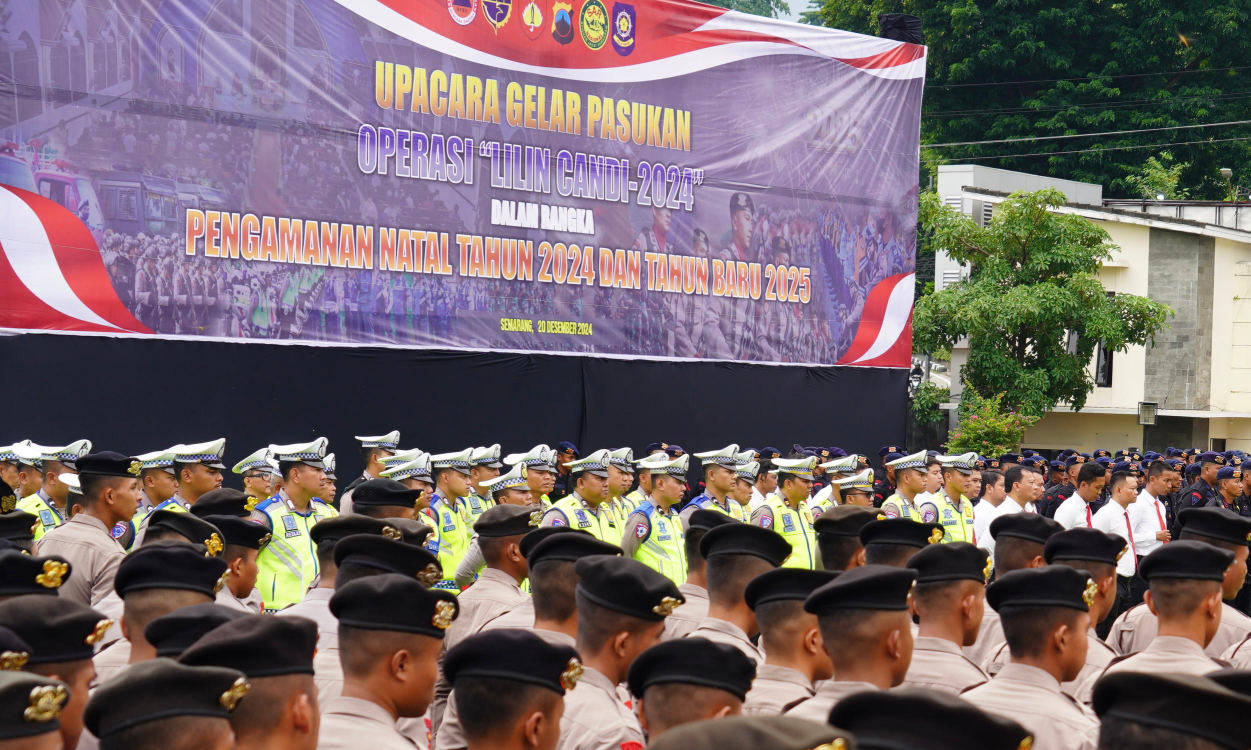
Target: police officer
(255, 472)
(498, 588)
(935, 721)
(565, 453)
(838, 533)
(586, 507)
(795, 657)
(226, 501)
(719, 466)
(1046, 615)
(276, 656)
(30, 711)
(695, 589)
(1171, 710)
(199, 467)
(29, 468)
(744, 483)
(511, 489)
(288, 564)
(49, 501)
(1203, 491)
(735, 554)
(374, 450)
(484, 465)
(654, 535)
(157, 484)
(863, 617)
(856, 489)
(390, 636)
(110, 496)
(414, 472)
(446, 512)
(184, 708)
(679, 682)
(838, 470)
(948, 602)
(622, 605)
(910, 481)
(385, 498)
(536, 675)
(1229, 487)
(893, 541)
(242, 542)
(954, 507)
(171, 634)
(787, 511)
(16, 528)
(1056, 494)
(620, 477)
(540, 463)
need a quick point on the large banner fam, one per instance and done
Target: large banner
(650, 178)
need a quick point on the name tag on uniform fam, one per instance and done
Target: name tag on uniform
(583, 521)
(473, 502)
(46, 518)
(289, 527)
(788, 523)
(448, 523)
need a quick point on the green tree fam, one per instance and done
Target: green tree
(986, 428)
(1160, 176)
(1032, 308)
(1029, 68)
(768, 8)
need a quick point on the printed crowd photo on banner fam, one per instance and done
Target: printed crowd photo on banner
(591, 176)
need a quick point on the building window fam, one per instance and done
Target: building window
(1103, 366)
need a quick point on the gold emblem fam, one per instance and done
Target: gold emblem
(1121, 554)
(221, 582)
(573, 672)
(46, 702)
(213, 546)
(444, 613)
(838, 744)
(13, 661)
(8, 503)
(881, 516)
(536, 517)
(522, 470)
(936, 536)
(1026, 743)
(264, 541)
(429, 575)
(96, 635)
(234, 694)
(1249, 536)
(666, 606)
(250, 504)
(990, 566)
(1088, 595)
(53, 574)
(390, 532)
(134, 468)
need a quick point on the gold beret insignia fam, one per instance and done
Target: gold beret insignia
(13, 661)
(881, 516)
(1026, 743)
(94, 636)
(134, 468)
(536, 517)
(264, 541)
(53, 574)
(1121, 554)
(573, 672)
(990, 566)
(838, 744)
(46, 702)
(8, 503)
(666, 606)
(390, 532)
(213, 546)
(250, 504)
(429, 575)
(234, 694)
(936, 536)
(444, 613)
(1088, 595)
(221, 582)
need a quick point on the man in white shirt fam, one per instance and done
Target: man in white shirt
(1022, 486)
(987, 508)
(1075, 510)
(1150, 518)
(1114, 518)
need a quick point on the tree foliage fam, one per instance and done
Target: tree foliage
(768, 8)
(1032, 288)
(926, 402)
(986, 428)
(1085, 66)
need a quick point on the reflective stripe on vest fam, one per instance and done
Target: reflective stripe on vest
(663, 548)
(451, 537)
(601, 522)
(795, 526)
(288, 564)
(957, 523)
(908, 509)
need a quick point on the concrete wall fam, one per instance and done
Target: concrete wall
(1231, 327)
(1127, 272)
(1179, 370)
(1084, 431)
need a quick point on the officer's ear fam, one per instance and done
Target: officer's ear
(514, 553)
(1036, 562)
(857, 559)
(1149, 600)
(894, 644)
(303, 710)
(813, 642)
(639, 713)
(533, 727)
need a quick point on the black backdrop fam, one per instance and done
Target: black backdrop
(141, 394)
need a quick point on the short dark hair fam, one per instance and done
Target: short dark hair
(1118, 478)
(1097, 569)
(671, 704)
(1089, 472)
(488, 706)
(1179, 597)
(360, 649)
(494, 547)
(553, 584)
(1014, 476)
(92, 484)
(894, 555)
(1157, 468)
(938, 595)
(145, 605)
(285, 468)
(694, 560)
(1117, 733)
(728, 576)
(232, 552)
(989, 478)
(597, 624)
(783, 476)
(174, 733)
(837, 551)
(1014, 553)
(777, 618)
(367, 454)
(1026, 628)
(851, 634)
(258, 717)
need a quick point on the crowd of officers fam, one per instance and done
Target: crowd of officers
(554, 599)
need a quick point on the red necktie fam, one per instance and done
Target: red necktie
(1156, 505)
(1132, 549)
(1088, 524)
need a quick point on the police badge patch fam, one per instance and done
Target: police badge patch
(623, 22)
(462, 11)
(640, 530)
(289, 529)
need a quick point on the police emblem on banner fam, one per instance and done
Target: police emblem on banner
(623, 22)
(562, 22)
(497, 12)
(593, 24)
(532, 20)
(462, 11)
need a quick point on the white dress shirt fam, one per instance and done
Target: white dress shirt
(1072, 512)
(1148, 518)
(1113, 519)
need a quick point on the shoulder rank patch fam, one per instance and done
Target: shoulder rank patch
(640, 530)
(766, 522)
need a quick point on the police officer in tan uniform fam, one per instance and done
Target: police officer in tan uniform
(795, 657)
(948, 601)
(687, 617)
(679, 682)
(918, 718)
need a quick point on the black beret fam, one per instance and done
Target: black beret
(395, 603)
(169, 690)
(383, 493)
(1198, 561)
(692, 661)
(17, 525)
(785, 584)
(30, 705)
(755, 732)
(516, 656)
(845, 520)
(339, 527)
(258, 646)
(917, 719)
(412, 531)
(1081, 543)
(537, 535)
(388, 556)
(506, 520)
(957, 561)
(707, 520)
(224, 501)
(745, 539)
(626, 586)
(1237, 680)
(56, 629)
(240, 531)
(171, 634)
(903, 531)
(1189, 705)
(568, 547)
(192, 528)
(1215, 523)
(26, 574)
(108, 464)
(877, 587)
(1048, 586)
(170, 565)
(14, 652)
(1034, 527)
